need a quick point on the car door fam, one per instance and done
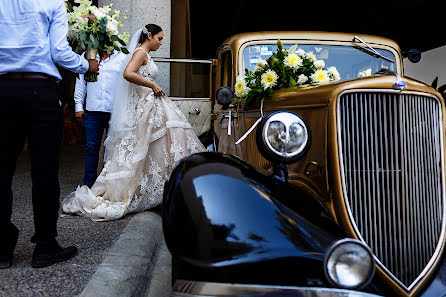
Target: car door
(189, 83)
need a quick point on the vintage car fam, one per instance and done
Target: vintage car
(336, 189)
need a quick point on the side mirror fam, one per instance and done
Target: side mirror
(224, 95)
(413, 55)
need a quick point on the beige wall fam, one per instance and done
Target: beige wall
(432, 64)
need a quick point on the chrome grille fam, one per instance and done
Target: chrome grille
(391, 158)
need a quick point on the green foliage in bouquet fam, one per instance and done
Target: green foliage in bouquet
(93, 29)
(283, 69)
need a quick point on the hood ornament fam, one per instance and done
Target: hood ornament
(400, 84)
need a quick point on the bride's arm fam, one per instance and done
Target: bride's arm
(130, 73)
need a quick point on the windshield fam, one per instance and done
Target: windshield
(351, 62)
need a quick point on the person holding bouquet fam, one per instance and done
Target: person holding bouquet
(33, 39)
(99, 97)
(148, 134)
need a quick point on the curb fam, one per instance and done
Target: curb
(138, 264)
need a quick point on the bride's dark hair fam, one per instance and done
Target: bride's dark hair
(152, 28)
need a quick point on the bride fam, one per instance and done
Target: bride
(147, 135)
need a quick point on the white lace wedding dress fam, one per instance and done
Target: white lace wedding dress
(133, 176)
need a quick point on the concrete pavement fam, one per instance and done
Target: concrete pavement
(126, 257)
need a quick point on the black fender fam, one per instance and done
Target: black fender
(218, 211)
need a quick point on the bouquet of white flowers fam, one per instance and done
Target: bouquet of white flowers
(283, 69)
(92, 29)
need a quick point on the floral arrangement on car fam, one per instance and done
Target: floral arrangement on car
(93, 29)
(283, 69)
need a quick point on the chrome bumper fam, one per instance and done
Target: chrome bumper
(190, 288)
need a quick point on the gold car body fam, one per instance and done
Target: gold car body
(321, 170)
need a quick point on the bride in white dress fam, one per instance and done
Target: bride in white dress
(148, 134)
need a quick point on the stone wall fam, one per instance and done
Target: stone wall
(142, 12)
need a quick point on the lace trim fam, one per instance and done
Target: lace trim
(116, 175)
(166, 157)
(176, 150)
(192, 145)
(178, 124)
(159, 114)
(125, 149)
(158, 134)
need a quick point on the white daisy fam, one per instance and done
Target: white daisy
(333, 73)
(293, 61)
(320, 76)
(241, 89)
(269, 79)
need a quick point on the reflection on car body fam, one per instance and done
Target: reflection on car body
(340, 191)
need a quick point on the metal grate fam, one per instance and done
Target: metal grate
(391, 154)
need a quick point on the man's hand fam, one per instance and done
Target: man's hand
(93, 66)
(80, 116)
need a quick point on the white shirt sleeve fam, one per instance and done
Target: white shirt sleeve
(61, 51)
(80, 91)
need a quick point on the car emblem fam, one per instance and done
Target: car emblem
(400, 84)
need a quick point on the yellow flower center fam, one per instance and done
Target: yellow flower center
(269, 78)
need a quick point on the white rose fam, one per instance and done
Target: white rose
(96, 12)
(300, 52)
(310, 56)
(319, 64)
(111, 28)
(302, 79)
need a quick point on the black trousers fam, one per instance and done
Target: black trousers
(31, 109)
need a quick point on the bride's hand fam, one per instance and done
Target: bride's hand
(158, 90)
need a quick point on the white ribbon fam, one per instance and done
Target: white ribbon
(253, 126)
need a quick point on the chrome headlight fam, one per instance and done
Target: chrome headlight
(283, 136)
(349, 264)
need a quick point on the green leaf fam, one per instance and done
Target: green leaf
(116, 38)
(124, 50)
(270, 92)
(83, 36)
(279, 44)
(274, 61)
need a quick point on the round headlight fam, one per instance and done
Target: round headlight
(349, 264)
(283, 136)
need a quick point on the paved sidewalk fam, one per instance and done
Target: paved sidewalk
(125, 255)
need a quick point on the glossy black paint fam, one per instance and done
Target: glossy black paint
(224, 221)
(218, 211)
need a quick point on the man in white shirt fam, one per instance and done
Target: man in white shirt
(99, 105)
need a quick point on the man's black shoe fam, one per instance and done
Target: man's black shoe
(7, 249)
(5, 263)
(45, 255)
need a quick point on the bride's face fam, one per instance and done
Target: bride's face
(156, 41)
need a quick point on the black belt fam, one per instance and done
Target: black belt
(26, 75)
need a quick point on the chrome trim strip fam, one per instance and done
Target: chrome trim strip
(195, 288)
(189, 99)
(394, 160)
(179, 60)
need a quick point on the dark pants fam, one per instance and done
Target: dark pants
(96, 123)
(30, 109)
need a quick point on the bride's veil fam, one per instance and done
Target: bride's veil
(118, 124)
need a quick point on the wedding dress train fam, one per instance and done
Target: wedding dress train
(140, 160)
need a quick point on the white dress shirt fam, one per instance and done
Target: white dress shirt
(100, 94)
(33, 37)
